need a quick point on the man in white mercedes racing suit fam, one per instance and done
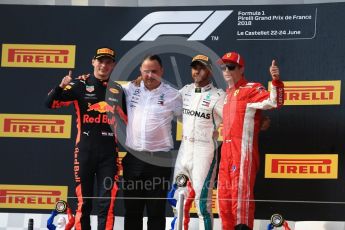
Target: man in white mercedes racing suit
(197, 156)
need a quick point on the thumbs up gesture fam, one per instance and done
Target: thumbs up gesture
(274, 70)
(66, 80)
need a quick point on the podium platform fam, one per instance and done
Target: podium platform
(19, 221)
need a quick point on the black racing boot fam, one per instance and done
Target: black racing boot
(242, 227)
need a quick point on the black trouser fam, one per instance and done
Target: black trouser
(95, 155)
(144, 180)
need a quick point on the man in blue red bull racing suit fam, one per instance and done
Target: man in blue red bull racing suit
(96, 144)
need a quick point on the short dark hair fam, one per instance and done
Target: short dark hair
(153, 57)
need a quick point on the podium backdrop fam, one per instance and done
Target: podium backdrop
(302, 154)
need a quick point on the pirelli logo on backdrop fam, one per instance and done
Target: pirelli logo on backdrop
(31, 196)
(311, 92)
(119, 162)
(301, 166)
(35, 125)
(38, 56)
(179, 133)
(214, 204)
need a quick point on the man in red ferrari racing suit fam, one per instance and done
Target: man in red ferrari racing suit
(239, 156)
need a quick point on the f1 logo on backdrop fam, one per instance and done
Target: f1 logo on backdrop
(200, 24)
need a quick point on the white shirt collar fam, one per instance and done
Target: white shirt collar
(142, 86)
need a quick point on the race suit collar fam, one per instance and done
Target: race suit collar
(240, 82)
(203, 89)
(95, 80)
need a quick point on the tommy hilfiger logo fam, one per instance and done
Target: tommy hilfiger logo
(207, 100)
(161, 99)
